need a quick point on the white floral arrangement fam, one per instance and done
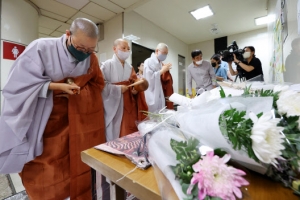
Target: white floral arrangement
(258, 128)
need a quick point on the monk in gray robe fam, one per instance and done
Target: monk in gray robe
(122, 103)
(52, 111)
(154, 71)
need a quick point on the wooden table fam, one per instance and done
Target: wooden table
(142, 183)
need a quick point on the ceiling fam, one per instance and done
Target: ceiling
(57, 15)
(230, 16)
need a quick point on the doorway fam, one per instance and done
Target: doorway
(140, 54)
(181, 75)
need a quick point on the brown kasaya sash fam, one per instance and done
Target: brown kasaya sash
(167, 85)
(133, 105)
(75, 124)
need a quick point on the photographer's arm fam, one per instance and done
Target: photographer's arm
(247, 68)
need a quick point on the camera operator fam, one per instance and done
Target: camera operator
(250, 67)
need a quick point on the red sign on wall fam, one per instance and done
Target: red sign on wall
(11, 50)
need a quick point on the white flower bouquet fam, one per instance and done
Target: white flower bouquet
(258, 129)
(189, 173)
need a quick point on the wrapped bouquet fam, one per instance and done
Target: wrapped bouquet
(259, 129)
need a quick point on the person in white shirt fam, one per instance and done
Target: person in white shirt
(153, 69)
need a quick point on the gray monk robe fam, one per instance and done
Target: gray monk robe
(28, 102)
(53, 168)
(121, 110)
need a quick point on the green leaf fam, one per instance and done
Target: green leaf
(189, 197)
(247, 91)
(219, 152)
(293, 137)
(222, 92)
(259, 114)
(187, 155)
(195, 191)
(185, 187)
(237, 129)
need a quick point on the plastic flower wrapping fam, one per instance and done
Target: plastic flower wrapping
(255, 126)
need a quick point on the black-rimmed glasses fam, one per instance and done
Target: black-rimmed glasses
(84, 50)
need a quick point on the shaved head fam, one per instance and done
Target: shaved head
(162, 46)
(119, 41)
(85, 26)
(121, 46)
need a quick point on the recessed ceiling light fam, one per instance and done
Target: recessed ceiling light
(202, 12)
(131, 37)
(264, 20)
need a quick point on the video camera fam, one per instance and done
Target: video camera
(227, 55)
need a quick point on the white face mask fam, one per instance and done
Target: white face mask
(199, 62)
(123, 55)
(246, 54)
(161, 56)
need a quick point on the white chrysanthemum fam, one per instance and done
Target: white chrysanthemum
(288, 103)
(266, 138)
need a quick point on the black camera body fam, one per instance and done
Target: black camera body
(227, 56)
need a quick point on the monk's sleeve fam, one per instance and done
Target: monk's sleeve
(25, 86)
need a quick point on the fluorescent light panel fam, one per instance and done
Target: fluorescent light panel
(202, 12)
(264, 20)
(132, 37)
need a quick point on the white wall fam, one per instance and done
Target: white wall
(257, 38)
(19, 24)
(112, 31)
(292, 73)
(151, 35)
(207, 48)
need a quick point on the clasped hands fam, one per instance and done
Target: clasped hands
(124, 88)
(68, 88)
(165, 67)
